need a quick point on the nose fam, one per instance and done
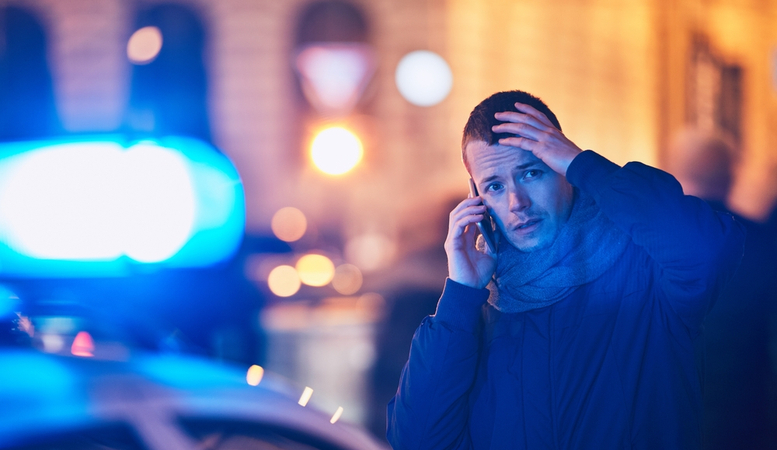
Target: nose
(519, 200)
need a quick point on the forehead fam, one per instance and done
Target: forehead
(486, 160)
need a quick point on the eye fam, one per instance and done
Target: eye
(493, 187)
(534, 173)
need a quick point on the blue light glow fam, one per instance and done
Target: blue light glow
(38, 389)
(93, 206)
(188, 373)
(9, 302)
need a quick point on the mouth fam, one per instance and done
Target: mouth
(527, 226)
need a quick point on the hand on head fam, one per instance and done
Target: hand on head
(535, 133)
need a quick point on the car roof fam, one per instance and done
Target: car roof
(42, 392)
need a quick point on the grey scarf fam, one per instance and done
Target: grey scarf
(587, 245)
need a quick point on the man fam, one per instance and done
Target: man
(584, 337)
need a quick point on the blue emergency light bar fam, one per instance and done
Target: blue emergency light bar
(102, 206)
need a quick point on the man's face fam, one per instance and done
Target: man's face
(529, 201)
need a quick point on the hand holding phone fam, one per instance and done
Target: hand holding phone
(485, 226)
(467, 263)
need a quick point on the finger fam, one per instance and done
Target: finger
(472, 205)
(466, 241)
(519, 142)
(519, 117)
(461, 239)
(466, 203)
(459, 225)
(470, 232)
(521, 129)
(464, 218)
(530, 110)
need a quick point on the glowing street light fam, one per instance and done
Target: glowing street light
(254, 375)
(336, 151)
(370, 251)
(348, 279)
(336, 415)
(289, 224)
(423, 78)
(305, 397)
(334, 75)
(144, 45)
(315, 270)
(283, 281)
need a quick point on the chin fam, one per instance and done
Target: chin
(531, 244)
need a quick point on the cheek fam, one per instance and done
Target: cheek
(557, 199)
(499, 213)
(564, 201)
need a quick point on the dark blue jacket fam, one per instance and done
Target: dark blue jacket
(609, 367)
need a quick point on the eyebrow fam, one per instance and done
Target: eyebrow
(521, 167)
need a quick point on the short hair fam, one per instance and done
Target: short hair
(481, 119)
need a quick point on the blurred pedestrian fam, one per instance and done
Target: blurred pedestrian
(739, 376)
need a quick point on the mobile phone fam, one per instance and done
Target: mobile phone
(485, 226)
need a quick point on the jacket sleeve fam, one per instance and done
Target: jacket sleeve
(430, 409)
(697, 249)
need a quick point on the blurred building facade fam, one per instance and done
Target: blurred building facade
(622, 76)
